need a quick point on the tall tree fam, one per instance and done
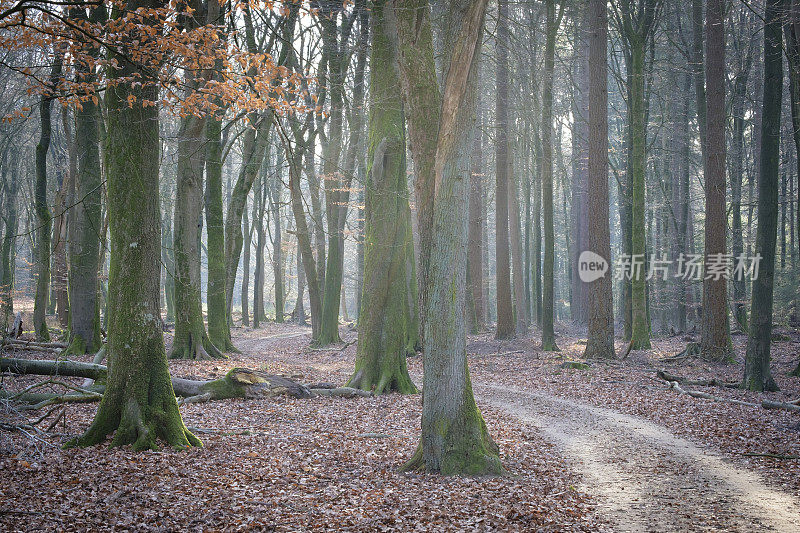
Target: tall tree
(191, 339)
(10, 220)
(599, 296)
(387, 331)
(139, 404)
(43, 215)
(84, 221)
(548, 299)
(715, 340)
(505, 313)
(454, 436)
(637, 22)
(757, 374)
(475, 243)
(219, 332)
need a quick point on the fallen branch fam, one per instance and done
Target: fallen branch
(706, 396)
(766, 404)
(343, 392)
(697, 382)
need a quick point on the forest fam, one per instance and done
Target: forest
(372, 265)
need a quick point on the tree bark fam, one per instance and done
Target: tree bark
(84, 230)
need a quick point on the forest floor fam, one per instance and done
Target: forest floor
(610, 447)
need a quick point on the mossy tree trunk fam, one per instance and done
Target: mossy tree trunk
(422, 108)
(259, 214)
(548, 301)
(599, 299)
(219, 332)
(334, 39)
(84, 229)
(139, 404)
(42, 210)
(757, 375)
(638, 22)
(386, 333)
(454, 436)
(7, 249)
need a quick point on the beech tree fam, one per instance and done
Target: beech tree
(454, 439)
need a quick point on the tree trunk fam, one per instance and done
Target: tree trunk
(715, 340)
(191, 340)
(43, 216)
(600, 305)
(548, 334)
(475, 243)
(386, 330)
(84, 224)
(277, 242)
(7, 250)
(454, 436)
(248, 233)
(505, 313)
(757, 374)
(139, 403)
(219, 332)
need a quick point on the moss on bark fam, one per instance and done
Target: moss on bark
(387, 329)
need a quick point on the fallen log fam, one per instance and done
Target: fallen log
(237, 383)
(23, 342)
(49, 367)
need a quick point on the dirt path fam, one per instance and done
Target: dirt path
(644, 477)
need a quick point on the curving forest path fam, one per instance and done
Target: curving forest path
(644, 477)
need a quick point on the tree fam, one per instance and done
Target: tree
(757, 374)
(10, 220)
(715, 340)
(637, 23)
(43, 215)
(505, 313)
(387, 329)
(553, 23)
(84, 222)
(139, 403)
(219, 333)
(599, 296)
(454, 439)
